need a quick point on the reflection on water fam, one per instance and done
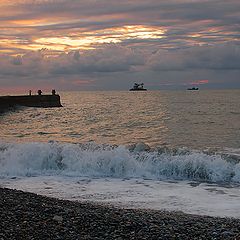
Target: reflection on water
(173, 118)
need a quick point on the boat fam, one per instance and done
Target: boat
(193, 88)
(138, 87)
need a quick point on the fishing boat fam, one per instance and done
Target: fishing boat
(193, 89)
(138, 87)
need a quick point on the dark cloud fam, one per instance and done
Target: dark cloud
(220, 57)
(114, 59)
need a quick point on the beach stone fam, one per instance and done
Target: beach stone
(140, 147)
(67, 220)
(58, 218)
(227, 233)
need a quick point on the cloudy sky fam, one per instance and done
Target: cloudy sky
(110, 44)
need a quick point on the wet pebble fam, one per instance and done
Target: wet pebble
(30, 216)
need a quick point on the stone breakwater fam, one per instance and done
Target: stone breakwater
(7, 102)
(30, 216)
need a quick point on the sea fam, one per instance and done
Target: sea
(162, 150)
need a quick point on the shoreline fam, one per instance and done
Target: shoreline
(30, 216)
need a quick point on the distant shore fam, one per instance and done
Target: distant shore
(30, 216)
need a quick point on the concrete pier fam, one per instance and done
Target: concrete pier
(43, 101)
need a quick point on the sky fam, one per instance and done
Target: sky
(110, 44)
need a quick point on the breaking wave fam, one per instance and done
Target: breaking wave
(136, 161)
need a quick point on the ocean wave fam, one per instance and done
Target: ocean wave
(101, 160)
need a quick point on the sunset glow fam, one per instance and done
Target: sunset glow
(161, 41)
(88, 39)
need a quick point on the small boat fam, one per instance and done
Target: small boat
(138, 87)
(193, 88)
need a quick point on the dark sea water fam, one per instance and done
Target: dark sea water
(193, 119)
(175, 150)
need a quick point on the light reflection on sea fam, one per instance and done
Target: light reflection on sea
(196, 119)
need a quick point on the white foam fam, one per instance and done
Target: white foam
(189, 197)
(127, 177)
(92, 160)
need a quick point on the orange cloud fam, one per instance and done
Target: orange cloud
(82, 82)
(200, 82)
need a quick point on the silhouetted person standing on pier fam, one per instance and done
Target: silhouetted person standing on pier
(39, 92)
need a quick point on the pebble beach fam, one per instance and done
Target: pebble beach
(30, 216)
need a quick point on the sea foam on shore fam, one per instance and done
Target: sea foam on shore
(197, 182)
